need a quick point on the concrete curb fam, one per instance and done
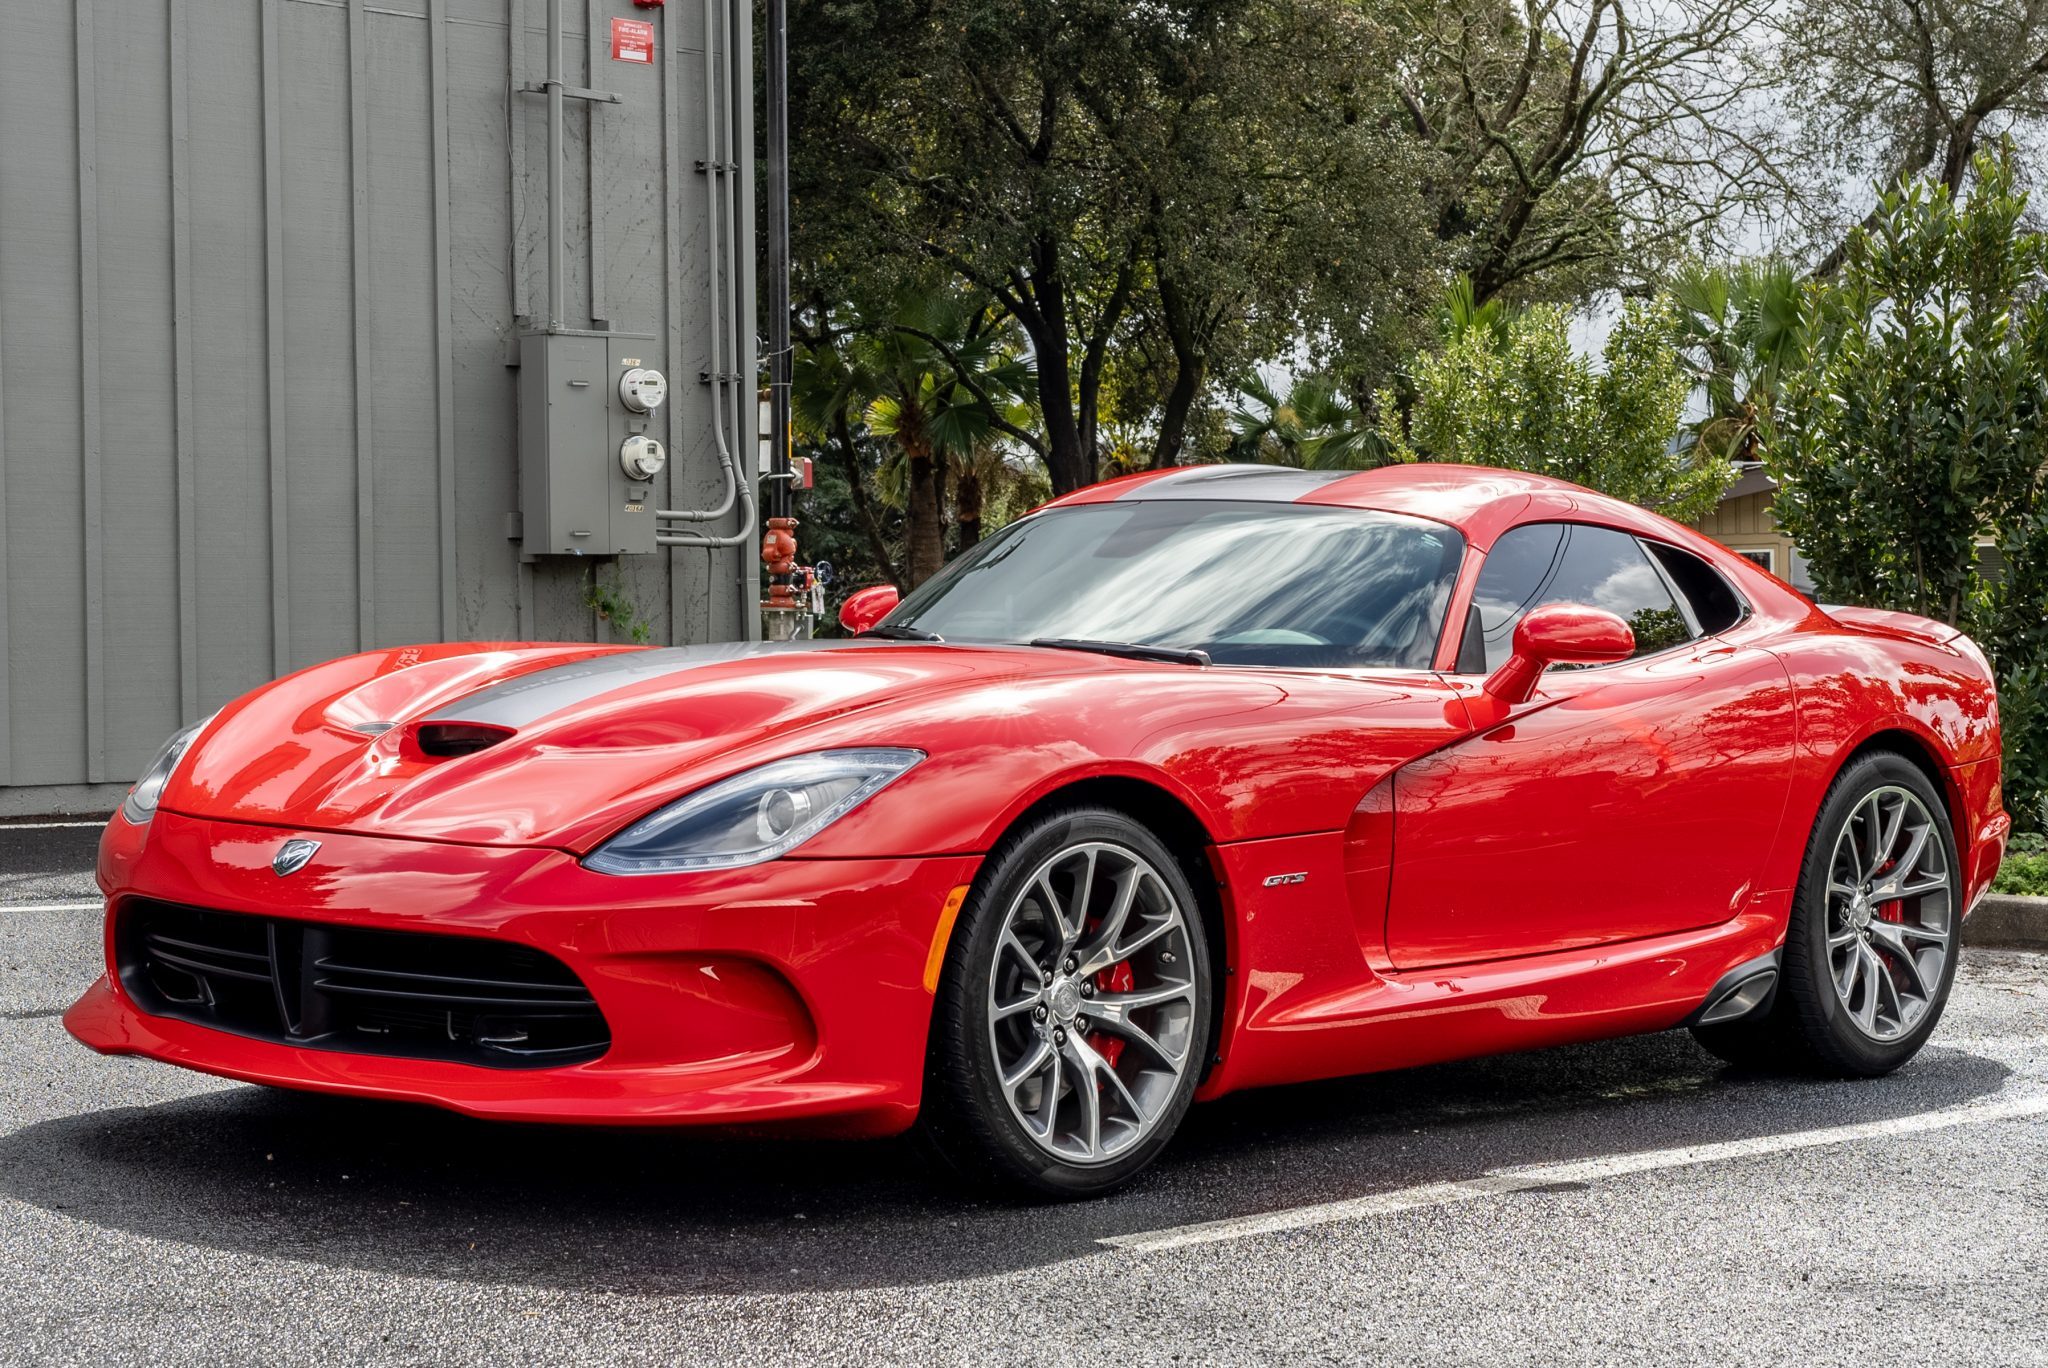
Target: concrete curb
(2009, 922)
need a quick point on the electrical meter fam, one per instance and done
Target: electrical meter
(643, 390)
(642, 458)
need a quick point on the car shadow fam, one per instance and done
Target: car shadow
(412, 1191)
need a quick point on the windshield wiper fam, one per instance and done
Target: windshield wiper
(891, 631)
(1129, 650)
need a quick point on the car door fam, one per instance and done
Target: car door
(1622, 801)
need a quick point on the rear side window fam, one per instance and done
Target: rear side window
(1714, 605)
(1543, 563)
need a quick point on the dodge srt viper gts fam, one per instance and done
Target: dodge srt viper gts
(1200, 780)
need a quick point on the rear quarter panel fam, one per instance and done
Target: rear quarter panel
(1855, 683)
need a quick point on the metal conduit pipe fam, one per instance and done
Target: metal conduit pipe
(717, 178)
(554, 89)
(719, 154)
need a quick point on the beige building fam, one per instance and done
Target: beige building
(1743, 523)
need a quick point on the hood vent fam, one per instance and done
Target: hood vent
(447, 740)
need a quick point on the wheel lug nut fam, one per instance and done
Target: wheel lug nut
(1038, 1012)
(1059, 1037)
(1071, 964)
(1087, 990)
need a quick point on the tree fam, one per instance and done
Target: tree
(1160, 190)
(970, 134)
(1574, 145)
(1920, 426)
(933, 374)
(1519, 396)
(1738, 329)
(1893, 90)
(1313, 425)
(1288, 214)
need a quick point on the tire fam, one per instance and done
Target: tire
(1897, 956)
(1126, 1006)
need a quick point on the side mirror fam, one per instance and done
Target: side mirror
(866, 607)
(1558, 634)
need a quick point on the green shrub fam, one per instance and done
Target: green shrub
(1918, 429)
(2024, 874)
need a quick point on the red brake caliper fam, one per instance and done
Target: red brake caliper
(1118, 978)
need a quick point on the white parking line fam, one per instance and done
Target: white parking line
(93, 905)
(1531, 1176)
(48, 826)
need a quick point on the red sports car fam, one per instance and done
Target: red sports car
(1200, 780)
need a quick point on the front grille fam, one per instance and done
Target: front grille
(406, 993)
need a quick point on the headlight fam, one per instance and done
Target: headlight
(140, 804)
(752, 817)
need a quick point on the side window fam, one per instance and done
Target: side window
(1543, 563)
(1714, 605)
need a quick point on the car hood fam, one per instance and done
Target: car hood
(580, 739)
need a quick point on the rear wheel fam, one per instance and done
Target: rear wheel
(1871, 948)
(1073, 1011)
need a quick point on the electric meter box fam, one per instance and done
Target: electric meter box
(578, 410)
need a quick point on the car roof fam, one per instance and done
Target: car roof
(1480, 501)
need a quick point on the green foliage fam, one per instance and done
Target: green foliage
(2024, 873)
(1156, 194)
(608, 597)
(1564, 148)
(907, 397)
(1920, 425)
(1739, 329)
(1313, 425)
(1515, 394)
(1914, 430)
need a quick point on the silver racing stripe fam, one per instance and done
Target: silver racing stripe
(526, 699)
(1276, 484)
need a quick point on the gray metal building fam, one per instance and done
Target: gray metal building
(265, 266)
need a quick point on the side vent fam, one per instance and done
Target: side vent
(447, 740)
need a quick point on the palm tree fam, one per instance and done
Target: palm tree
(941, 378)
(1313, 425)
(1739, 331)
(829, 394)
(1462, 312)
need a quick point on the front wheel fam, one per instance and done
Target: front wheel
(1073, 1012)
(1871, 949)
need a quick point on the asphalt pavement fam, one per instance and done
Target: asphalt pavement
(1626, 1202)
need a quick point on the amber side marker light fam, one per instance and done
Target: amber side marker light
(949, 912)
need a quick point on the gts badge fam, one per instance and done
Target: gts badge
(1275, 880)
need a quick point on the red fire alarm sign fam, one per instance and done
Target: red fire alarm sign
(632, 40)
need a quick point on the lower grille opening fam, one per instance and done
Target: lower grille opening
(408, 993)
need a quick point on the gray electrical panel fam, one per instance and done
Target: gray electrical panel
(588, 456)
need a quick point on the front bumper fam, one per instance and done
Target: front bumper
(792, 992)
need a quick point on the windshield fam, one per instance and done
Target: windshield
(1249, 583)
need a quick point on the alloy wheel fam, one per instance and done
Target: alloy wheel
(1890, 912)
(1091, 1002)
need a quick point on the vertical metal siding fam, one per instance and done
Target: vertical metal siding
(272, 117)
(259, 264)
(90, 499)
(6, 708)
(444, 352)
(40, 350)
(187, 530)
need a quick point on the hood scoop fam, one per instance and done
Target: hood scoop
(448, 740)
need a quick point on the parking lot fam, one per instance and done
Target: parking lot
(1621, 1202)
